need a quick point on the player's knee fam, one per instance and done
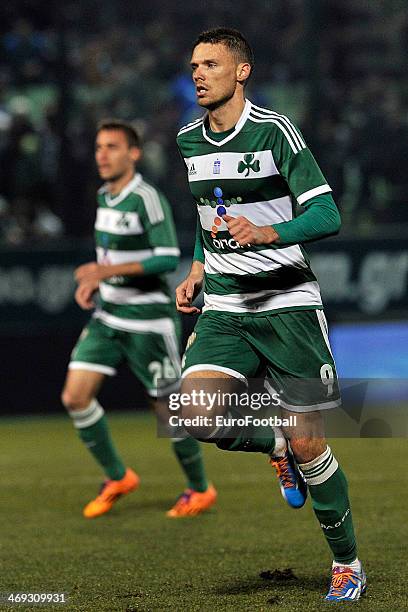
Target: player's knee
(194, 422)
(201, 406)
(73, 400)
(307, 449)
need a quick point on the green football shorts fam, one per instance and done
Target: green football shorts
(290, 349)
(153, 357)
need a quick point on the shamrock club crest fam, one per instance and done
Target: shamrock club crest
(249, 163)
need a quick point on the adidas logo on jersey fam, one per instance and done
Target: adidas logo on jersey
(192, 170)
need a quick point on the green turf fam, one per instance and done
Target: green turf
(135, 558)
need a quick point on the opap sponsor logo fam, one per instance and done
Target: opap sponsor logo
(338, 524)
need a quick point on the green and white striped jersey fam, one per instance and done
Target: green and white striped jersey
(131, 227)
(259, 169)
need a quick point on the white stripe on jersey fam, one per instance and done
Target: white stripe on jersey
(164, 325)
(285, 120)
(259, 213)
(131, 295)
(118, 257)
(253, 262)
(228, 166)
(118, 222)
(166, 251)
(305, 294)
(257, 118)
(151, 201)
(307, 195)
(190, 126)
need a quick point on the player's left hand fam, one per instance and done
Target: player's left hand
(91, 271)
(84, 295)
(245, 232)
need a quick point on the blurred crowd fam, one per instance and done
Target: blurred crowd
(338, 69)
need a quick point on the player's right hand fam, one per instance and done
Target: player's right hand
(84, 294)
(187, 292)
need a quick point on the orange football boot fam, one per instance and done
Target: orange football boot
(110, 492)
(191, 503)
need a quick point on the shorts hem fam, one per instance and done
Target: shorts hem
(163, 392)
(92, 367)
(214, 368)
(307, 407)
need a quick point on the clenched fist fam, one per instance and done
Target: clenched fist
(245, 232)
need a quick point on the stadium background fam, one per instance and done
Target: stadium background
(337, 68)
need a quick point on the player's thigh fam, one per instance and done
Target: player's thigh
(95, 355)
(154, 358)
(98, 349)
(217, 363)
(300, 362)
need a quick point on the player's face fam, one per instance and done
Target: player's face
(215, 71)
(113, 155)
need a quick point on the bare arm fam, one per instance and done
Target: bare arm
(188, 290)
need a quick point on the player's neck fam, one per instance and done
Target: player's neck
(115, 187)
(226, 116)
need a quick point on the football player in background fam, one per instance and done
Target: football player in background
(134, 321)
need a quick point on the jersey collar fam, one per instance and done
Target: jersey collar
(131, 186)
(238, 127)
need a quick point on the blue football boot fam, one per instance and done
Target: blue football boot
(291, 480)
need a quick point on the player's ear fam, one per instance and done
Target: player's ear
(135, 153)
(243, 72)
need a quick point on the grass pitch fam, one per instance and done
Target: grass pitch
(134, 558)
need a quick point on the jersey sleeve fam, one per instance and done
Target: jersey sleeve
(296, 163)
(158, 223)
(319, 220)
(198, 246)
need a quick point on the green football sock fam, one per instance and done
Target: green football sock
(328, 490)
(188, 453)
(93, 430)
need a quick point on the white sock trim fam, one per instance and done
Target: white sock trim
(316, 461)
(319, 469)
(280, 443)
(355, 565)
(88, 416)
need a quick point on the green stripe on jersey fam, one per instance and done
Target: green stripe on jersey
(114, 242)
(224, 284)
(145, 311)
